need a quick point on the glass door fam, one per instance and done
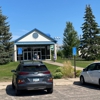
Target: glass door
(27, 55)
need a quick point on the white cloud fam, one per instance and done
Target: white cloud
(14, 37)
(20, 33)
(24, 30)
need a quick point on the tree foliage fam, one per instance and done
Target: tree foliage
(90, 45)
(70, 39)
(6, 46)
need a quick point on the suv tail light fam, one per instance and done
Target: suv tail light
(50, 80)
(23, 73)
(47, 72)
(21, 81)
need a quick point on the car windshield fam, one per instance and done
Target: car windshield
(34, 68)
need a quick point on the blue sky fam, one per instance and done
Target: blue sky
(49, 16)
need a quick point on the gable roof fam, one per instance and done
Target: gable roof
(45, 35)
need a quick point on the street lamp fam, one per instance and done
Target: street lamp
(57, 38)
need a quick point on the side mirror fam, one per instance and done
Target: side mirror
(84, 70)
(13, 70)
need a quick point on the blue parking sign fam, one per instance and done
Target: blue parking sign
(74, 51)
(19, 51)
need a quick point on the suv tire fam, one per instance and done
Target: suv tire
(50, 90)
(13, 85)
(17, 92)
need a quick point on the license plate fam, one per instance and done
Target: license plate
(36, 80)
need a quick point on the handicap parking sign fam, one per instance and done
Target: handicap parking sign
(19, 51)
(74, 51)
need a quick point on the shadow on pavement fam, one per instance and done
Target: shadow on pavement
(87, 85)
(11, 92)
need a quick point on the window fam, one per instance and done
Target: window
(98, 66)
(34, 68)
(91, 67)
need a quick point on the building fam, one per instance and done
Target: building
(34, 42)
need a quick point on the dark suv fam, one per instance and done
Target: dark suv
(32, 75)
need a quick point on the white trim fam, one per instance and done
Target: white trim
(55, 51)
(15, 52)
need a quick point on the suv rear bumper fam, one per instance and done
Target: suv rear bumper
(35, 86)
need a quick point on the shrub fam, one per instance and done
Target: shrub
(59, 69)
(57, 75)
(68, 70)
(78, 73)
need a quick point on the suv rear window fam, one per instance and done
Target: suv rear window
(34, 68)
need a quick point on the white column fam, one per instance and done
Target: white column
(50, 52)
(15, 52)
(55, 50)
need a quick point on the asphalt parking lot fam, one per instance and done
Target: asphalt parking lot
(73, 91)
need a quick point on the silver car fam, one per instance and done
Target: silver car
(32, 75)
(91, 74)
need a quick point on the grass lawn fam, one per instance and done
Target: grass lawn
(81, 63)
(6, 74)
(5, 71)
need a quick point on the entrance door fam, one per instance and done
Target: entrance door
(37, 53)
(27, 55)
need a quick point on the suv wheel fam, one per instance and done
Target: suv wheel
(13, 85)
(17, 92)
(50, 90)
(82, 80)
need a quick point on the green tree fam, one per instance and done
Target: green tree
(6, 46)
(70, 39)
(60, 53)
(90, 45)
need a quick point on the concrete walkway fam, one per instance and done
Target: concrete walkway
(59, 64)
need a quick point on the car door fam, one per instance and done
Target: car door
(88, 75)
(96, 74)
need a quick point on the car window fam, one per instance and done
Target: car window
(18, 67)
(91, 67)
(34, 68)
(98, 66)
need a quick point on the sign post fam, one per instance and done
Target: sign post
(74, 54)
(20, 53)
